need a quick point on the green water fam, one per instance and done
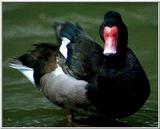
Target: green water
(27, 23)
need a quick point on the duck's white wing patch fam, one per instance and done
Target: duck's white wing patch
(26, 71)
(63, 47)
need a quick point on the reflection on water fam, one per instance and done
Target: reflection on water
(24, 24)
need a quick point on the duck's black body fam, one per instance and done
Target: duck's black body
(118, 85)
(122, 87)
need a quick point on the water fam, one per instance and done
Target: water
(27, 23)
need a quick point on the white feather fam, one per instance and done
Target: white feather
(26, 71)
(63, 47)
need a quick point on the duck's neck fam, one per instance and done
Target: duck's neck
(115, 61)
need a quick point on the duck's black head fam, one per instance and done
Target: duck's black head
(114, 33)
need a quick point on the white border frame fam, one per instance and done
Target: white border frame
(81, 1)
(156, 1)
(158, 64)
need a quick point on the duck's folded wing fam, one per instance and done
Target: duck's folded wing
(84, 56)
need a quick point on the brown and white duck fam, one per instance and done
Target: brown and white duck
(43, 66)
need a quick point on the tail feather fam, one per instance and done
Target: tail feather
(26, 71)
(26, 63)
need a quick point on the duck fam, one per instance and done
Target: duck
(43, 67)
(117, 83)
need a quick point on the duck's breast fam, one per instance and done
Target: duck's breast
(64, 90)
